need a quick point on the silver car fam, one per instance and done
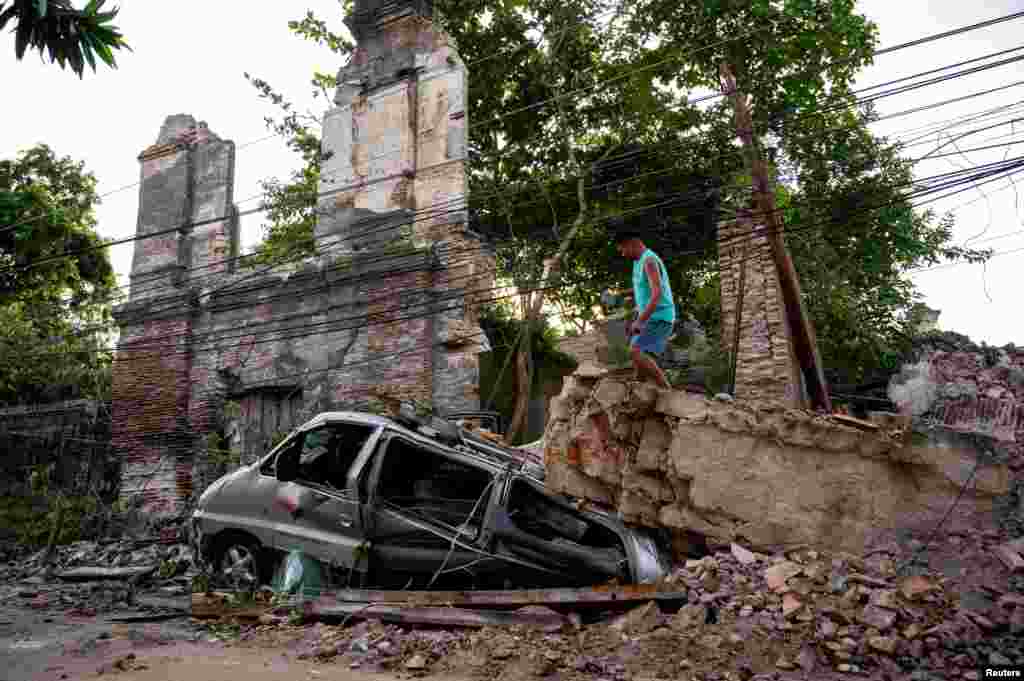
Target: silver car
(410, 503)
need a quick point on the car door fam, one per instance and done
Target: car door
(427, 515)
(323, 501)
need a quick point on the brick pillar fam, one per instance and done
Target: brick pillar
(187, 231)
(766, 365)
(395, 176)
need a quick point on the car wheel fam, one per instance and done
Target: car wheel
(238, 562)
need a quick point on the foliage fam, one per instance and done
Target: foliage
(292, 203)
(604, 90)
(502, 327)
(71, 37)
(52, 307)
(48, 511)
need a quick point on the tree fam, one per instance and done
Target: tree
(54, 310)
(583, 111)
(70, 37)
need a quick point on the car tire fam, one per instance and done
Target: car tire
(239, 562)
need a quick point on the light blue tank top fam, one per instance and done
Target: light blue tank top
(666, 308)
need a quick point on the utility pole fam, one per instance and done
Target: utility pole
(800, 326)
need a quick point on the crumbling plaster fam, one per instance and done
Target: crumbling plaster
(756, 471)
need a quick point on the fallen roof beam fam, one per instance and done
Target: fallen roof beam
(596, 595)
(439, 616)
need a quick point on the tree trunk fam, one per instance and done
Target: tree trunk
(524, 377)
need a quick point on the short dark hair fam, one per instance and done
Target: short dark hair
(620, 230)
(626, 234)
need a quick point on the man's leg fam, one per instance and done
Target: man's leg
(646, 367)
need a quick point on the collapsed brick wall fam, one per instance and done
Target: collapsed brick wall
(766, 368)
(968, 392)
(755, 471)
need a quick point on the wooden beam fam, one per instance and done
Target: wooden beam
(451, 617)
(801, 329)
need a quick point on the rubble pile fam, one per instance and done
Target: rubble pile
(979, 390)
(910, 610)
(169, 560)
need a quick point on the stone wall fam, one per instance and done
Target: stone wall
(766, 366)
(74, 436)
(756, 471)
(386, 311)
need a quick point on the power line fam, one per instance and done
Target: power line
(304, 329)
(240, 214)
(744, 36)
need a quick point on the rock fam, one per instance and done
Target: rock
(640, 620)
(1011, 600)
(827, 628)
(877, 617)
(777, 574)
(711, 641)
(837, 583)
(883, 644)
(741, 554)
(416, 662)
(912, 631)
(790, 604)
(692, 616)
(807, 660)
(995, 658)
(885, 598)
(503, 651)
(590, 370)
(915, 587)
(1017, 620)
(784, 663)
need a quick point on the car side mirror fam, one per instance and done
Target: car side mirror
(288, 464)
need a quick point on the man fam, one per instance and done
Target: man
(656, 310)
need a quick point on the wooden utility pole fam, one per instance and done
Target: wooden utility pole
(800, 326)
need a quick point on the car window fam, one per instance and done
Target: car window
(328, 452)
(269, 465)
(434, 486)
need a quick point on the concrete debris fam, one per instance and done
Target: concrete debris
(640, 620)
(741, 554)
(1011, 555)
(790, 604)
(777, 575)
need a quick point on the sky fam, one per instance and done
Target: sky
(190, 57)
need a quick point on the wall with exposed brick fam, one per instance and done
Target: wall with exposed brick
(968, 392)
(386, 311)
(766, 368)
(758, 471)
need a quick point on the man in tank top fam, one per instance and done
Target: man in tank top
(656, 311)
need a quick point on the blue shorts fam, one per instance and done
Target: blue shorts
(653, 338)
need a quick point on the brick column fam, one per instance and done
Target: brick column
(187, 231)
(766, 366)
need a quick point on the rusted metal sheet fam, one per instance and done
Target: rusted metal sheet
(590, 596)
(452, 617)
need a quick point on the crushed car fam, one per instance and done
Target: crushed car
(411, 502)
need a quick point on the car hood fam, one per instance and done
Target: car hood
(219, 484)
